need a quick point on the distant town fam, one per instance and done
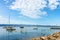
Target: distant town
(25, 25)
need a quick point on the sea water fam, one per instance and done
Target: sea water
(26, 33)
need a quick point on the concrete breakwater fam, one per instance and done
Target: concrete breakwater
(55, 36)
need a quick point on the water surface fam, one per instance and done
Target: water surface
(26, 33)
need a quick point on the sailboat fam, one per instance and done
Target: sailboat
(55, 28)
(35, 28)
(9, 27)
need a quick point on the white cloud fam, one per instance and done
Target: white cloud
(32, 8)
(6, 1)
(53, 4)
(4, 20)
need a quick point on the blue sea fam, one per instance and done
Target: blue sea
(26, 33)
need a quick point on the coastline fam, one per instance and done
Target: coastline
(54, 36)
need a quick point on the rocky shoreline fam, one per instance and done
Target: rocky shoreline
(55, 36)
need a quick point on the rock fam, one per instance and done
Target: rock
(55, 36)
(58, 39)
(39, 38)
(45, 38)
(52, 37)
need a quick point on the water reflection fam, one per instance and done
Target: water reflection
(35, 28)
(23, 32)
(10, 29)
(26, 33)
(21, 29)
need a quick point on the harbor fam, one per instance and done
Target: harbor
(24, 32)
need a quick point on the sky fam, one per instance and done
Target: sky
(37, 12)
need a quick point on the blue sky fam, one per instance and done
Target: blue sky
(42, 12)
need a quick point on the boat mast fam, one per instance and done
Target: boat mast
(9, 18)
